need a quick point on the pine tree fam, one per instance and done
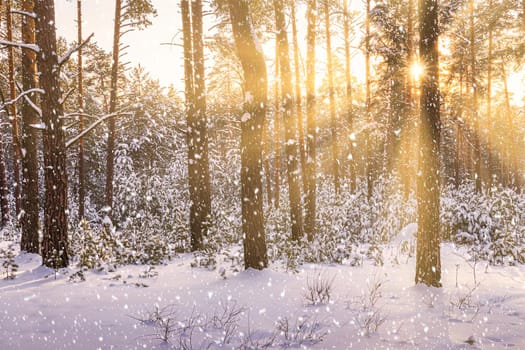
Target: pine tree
(129, 14)
(368, 106)
(13, 109)
(311, 132)
(331, 94)
(290, 124)
(55, 238)
(298, 95)
(80, 102)
(252, 122)
(428, 261)
(349, 101)
(29, 138)
(197, 135)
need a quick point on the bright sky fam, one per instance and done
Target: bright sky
(163, 62)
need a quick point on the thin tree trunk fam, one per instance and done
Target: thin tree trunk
(200, 211)
(252, 122)
(290, 125)
(368, 116)
(298, 96)
(428, 261)
(311, 110)
(277, 125)
(489, 104)
(30, 192)
(55, 239)
(475, 112)
(349, 102)
(331, 95)
(81, 161)
(409, 124)
(511, 172)
(110, 157)
(193, 183)
(13, 110)
(266, 156)
(4, 191)
(459, 135)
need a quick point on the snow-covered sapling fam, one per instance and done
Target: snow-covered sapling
(9, 264)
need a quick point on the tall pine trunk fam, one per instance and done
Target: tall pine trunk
(474, 101)
(298, 96)
(349, 102)
(200, 210)
(55, 239)
(196, 134)
(428, 261)
(290, 124)
(277, 125)
(255, 86)
(13, 110)
(409, 124)
(331, 95)
(511, 159)
(368, 112)
(30, 192)
(489, 104)
(311, 110)
(113, 90)
(80, 102)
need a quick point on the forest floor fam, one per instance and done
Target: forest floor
(176, 306)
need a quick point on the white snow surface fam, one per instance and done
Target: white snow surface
(39, 311)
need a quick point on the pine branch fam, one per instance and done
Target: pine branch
(75, 139)
(31, 47)
(24, 13)
(68, 54)
(23, 94)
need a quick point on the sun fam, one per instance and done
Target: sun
(417, 70)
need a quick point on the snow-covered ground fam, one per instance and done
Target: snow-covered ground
(370, 307)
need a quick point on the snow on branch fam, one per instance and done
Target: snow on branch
(31, 47)
(94, 125)
(33, 105)
(28, 100)
(68, 54)
(23, 94)
(24, 13)
(66, 95)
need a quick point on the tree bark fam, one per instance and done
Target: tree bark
(331, 95)
(511, 159)
(428, 262)
(489, 104)
(266, 156)
(30, 192)
(252, 122)
(475, 112)
(277, 125)
(368, 116)
(13, 110)
(80, 102)
(110, 157)
(298, 95)
(55, 239)
(290, 125)
(349, 102)
(200, 210)
(311, 110)
(410, 123)
(4, 191)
